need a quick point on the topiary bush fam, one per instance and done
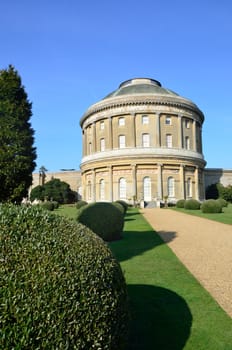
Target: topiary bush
(48, 205)
(124, 204)
(56, 204)
(211, 206)
(180, 203)
(192, 204)
(223, 202)
(61, 287)
(81, 204)
(103, 218)
(119, 206)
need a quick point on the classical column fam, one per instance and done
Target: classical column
(180, 128)
(158, 139)
(110, 183)
(159, 181)
(194, 136)
(93, 185)
(182, 181)
(196, 176)
(110, 134)
(134, 184)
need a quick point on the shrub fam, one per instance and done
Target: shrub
(192, 204)
(211, 206)
(124, 204)
(222, 202)
(48, 205)
(119, 206)
(56, 204)
(61, 287)
(180, 203)
(103, 218)
(81, 204)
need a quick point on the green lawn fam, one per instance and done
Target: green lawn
(169, 308)
(224, 217)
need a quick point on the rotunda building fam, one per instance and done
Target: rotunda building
(142, 142)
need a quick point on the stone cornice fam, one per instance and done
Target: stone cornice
(133, 100)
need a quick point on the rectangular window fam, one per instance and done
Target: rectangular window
(187, 142)
(122, 141)
(145, 119)
(121, 121)
(169, 140)
(168, 121)
(102, 125)
(187, 123)
(145, 140)
(102, 145)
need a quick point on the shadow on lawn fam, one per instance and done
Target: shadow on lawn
(160, 319)
(135, 243)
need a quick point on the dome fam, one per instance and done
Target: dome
(140, 86)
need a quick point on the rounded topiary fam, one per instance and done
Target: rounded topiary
(56, 204)
(211, 206)
(180, 203)
(223, 202)
(124, 204)
(61, 287)
(81, 204)
(119, 206)
(192, 204)
(103, 218)
(48, 205)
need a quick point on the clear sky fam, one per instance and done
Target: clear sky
(72, 53)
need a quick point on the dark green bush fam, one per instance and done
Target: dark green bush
(103, 218)
(124, 204)
(211, 206)
(48, 205)
(192, 204)
(222, 202)
(81, 204)
(61, 287)
(180, 203)
(119, 206)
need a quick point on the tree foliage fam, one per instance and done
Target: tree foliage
(17, 153)
(55, 190)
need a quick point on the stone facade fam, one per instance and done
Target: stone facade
(142, 142)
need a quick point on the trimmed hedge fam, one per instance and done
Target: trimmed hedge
(180, 203)
(81, 204)
(61, 287)
(119, 206)
(211, 206)
(124, 204)
(192, 204)
(223, 202)
(103, 218)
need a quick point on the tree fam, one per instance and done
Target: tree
(54, 189)
(17, 154)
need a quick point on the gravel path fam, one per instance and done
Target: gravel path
(203, 246)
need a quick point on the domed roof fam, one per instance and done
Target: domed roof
(140, 86)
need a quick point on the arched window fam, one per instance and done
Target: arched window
(89, 190)
(102, 189)
(122, 188)
(171, 187)
(147, 188)
(189, 187)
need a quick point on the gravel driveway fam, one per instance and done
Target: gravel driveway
(204, 247)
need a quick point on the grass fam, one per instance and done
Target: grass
(170, 310)
(68, 210)
(225, 217)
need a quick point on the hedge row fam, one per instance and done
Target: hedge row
(208, 206)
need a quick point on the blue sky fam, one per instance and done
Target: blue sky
(72, 53)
